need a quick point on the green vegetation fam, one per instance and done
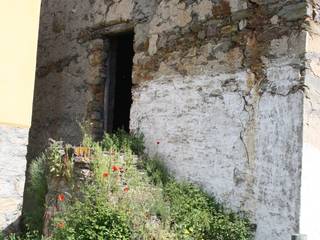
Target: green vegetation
(198, 216)
(132, 198)
(123, 141)
(29, 235)
(92, 218)
(58, 163)
(37, 190)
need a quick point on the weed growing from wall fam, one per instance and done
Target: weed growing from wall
(37, 191)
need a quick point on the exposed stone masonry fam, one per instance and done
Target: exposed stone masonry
(219, 83)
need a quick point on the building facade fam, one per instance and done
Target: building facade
(225, 91)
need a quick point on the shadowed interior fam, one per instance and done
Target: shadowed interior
(119, 93)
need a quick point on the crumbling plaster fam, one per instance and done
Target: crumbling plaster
(220, 84)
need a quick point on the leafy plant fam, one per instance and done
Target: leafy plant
(28, 235)
(58, 160)
(156, 170)
(86, 130)
(49, 162)
(91, 219)
(121, 140)
(37, 190)
(198, 216)
(130, 198)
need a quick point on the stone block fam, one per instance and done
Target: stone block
(96, 58)
(294, 11)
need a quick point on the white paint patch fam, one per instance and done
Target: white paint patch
(289, 76)
(278, 165)
(199, 122)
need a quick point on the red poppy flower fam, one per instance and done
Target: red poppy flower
(105, 174)
(126, 189)
(115, 168)
(60, 197)
(60, 225)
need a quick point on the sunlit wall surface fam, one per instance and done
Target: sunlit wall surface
(19, 20)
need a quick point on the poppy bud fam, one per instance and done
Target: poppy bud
(60, 197)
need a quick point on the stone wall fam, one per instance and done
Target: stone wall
(310, 208)
(13, 149)
(225, 98)
(219, 84)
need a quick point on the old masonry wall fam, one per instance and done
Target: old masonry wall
(310, 195)
(218, 83)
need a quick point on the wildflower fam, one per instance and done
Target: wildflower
(126, 188)
(115, 168)
(105, 174)
(60, 197)
(60, 225)
(158, 142)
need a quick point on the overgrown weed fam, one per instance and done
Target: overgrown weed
(131, 197)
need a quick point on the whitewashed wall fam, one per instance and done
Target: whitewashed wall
(310, 191)
(219, 84)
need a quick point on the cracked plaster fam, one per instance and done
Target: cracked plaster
(219, 83)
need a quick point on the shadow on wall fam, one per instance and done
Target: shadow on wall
(13, 227)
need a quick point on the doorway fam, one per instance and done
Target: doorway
(118, 96)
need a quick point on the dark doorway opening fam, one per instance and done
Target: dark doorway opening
(118, 98)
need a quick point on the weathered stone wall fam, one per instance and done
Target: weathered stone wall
(310, 208)
(218, 83)
(219, 104)
(13, 149)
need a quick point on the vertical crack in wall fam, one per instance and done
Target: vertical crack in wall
(222, 52)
